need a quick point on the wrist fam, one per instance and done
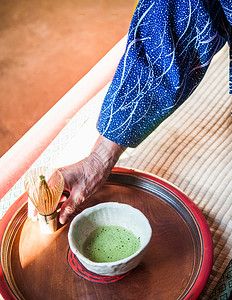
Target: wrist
(106, 152)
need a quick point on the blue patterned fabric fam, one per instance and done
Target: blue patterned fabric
(170, 46)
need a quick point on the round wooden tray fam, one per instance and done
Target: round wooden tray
(177, 264)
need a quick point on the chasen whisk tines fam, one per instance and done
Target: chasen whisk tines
(44, 187)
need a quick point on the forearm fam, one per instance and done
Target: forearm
(106, 152)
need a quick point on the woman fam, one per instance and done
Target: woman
(170, 46)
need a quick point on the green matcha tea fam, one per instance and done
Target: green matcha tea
(110, 243)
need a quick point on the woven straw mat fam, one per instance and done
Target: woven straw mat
(193, 150)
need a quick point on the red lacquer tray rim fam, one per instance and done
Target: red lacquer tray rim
(207, 261)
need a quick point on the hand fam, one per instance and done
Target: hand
(81, 180)
(84, 178)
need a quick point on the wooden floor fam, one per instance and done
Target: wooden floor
(45, 48)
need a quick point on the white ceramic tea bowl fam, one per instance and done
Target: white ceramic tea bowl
(109, 214)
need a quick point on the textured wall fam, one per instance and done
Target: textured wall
(45, 48)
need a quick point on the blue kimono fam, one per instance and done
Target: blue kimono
(170, 46)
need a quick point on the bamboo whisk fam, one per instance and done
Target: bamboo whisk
(44, 187)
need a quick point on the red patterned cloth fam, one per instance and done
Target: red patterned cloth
(80, 270)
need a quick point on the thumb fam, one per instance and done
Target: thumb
(69, 207)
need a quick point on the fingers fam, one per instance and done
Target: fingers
(69, 207)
